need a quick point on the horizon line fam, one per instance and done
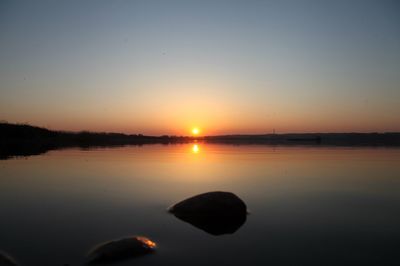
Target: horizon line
(199, 136)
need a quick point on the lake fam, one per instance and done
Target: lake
(308, 205)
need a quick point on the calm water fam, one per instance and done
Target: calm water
(309, 205)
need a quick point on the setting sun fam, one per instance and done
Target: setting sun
(195, 131)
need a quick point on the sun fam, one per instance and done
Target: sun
(195, 131)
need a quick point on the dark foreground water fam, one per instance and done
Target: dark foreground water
(309, 205)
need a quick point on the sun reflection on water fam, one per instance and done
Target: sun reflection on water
(195, 148)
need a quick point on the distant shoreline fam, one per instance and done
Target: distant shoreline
(25, 140)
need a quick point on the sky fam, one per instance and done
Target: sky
(226, 67)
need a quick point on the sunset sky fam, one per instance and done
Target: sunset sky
(165, 67)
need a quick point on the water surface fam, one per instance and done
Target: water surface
(309, 205)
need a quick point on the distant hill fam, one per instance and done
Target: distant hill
(343, 139)
(22, 132)
(23, 140)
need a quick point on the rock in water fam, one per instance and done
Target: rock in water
(216, 213)
(211, 203)
(6, 260)
(120, 249)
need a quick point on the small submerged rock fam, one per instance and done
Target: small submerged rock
(216, 212)
(6, 260)
(121, 249)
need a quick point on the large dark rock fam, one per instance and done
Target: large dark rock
(121, 249)
(216, 213)
(6, 260)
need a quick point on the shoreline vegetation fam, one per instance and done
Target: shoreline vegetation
(25, 140)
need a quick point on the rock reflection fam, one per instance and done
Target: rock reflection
(215, 224)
